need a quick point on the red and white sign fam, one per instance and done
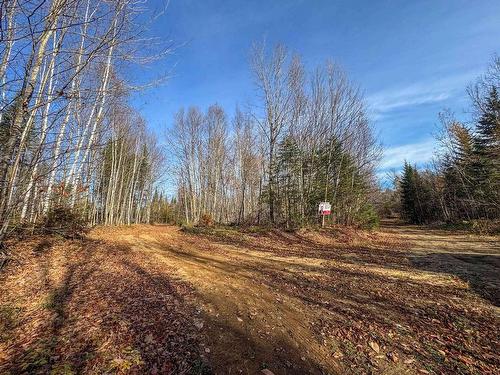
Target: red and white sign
(325, 208)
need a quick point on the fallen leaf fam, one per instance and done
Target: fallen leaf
(374, 346)
(267, 372)
(465, 360)
(392, 356)
(149, 339)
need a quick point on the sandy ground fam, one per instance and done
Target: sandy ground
(155, 299)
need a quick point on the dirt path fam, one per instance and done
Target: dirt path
(473, 258)
(299, 303)
(247, 324)
(154, 299)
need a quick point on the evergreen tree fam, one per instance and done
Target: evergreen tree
(487, 155)
(408, 188)
(288, 174)
(417, 198)
(458, 174)
(467, 186)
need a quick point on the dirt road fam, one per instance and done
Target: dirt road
(155, 299)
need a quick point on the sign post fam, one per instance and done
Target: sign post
(324, 209)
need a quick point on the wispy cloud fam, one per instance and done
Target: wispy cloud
(415, 153)
(418, 93)
(406, 98)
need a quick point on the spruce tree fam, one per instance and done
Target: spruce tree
(288, 170)
(408, 194)
(458, 173)
(487, 155)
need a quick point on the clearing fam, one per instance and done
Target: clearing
(155, 299)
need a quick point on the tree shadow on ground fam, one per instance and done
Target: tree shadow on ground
(120, 310)
(113, 310)
(37, 352)
(106, 314)
(481, 272)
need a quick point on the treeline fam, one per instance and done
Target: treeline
(69, 140)
(307, 140)
(67, 136)
(465, 181)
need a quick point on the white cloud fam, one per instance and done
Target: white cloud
(405, 99)
(414, 153)
(418, 93)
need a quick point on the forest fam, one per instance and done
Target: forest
(200, 243)
(69, 140)
(308, 141)
(463, 184)
(71, 143)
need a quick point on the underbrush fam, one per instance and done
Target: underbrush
(63, 221)
(337, 232)
(218, 230)
(476, 226)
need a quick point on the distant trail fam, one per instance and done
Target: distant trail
(435, 240)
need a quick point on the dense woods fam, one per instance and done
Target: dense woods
(464, 183)
(70, 141)
(67, 136)
(307, 140)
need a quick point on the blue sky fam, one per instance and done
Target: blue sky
(411, 58)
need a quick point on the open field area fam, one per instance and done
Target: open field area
(155, 299)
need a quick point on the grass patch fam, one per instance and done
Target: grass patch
(9, 318)
(200, 367)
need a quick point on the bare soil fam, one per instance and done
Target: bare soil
(158, 300)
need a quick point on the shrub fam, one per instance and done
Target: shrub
(64, 221)
(206, 220)
(368, 218)
(485, 227)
